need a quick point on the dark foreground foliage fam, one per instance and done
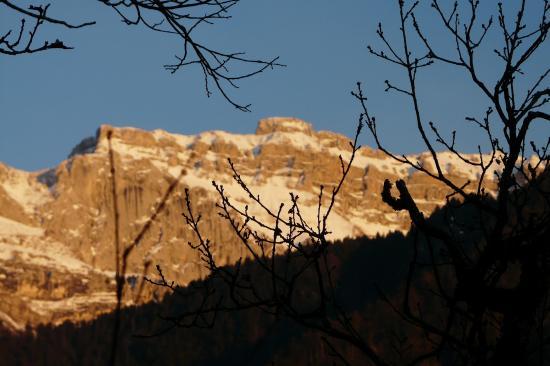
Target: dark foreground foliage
(247, 337)
(370, 276)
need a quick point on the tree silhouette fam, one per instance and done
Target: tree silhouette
(477, 287)
(179, 18)
(477, 284)
(495, 301)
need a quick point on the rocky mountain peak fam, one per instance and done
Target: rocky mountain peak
(283, 124)
(91, 144)
(128, 135)
(57, 226)
(86, 146)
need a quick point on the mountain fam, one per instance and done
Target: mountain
(57, 251)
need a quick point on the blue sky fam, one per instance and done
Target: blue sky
(50, 101)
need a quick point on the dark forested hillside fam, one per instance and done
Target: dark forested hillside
(248, 337)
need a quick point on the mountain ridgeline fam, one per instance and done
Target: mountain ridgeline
(57, 226)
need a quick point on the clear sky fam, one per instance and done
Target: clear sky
(50, 101)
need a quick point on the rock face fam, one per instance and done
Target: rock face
(57, 251)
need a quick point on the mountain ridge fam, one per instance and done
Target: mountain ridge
(56, 227)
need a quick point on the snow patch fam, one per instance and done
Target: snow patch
(72, 304)
(48, 254)
(23, 188)
(10, 227)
